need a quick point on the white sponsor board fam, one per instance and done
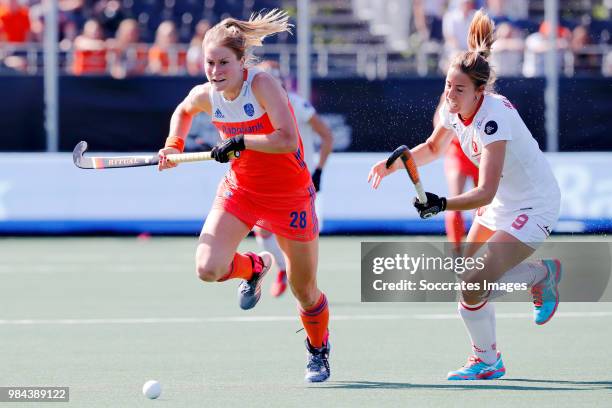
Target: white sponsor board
(47, 189)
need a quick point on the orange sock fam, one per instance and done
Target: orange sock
(315, 321)
(455, 229)
(240, 268)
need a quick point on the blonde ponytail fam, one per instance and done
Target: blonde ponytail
(241, 36)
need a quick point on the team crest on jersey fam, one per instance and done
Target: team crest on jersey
(249, 109)
(490, 127)
(219, 114)
(475, 147)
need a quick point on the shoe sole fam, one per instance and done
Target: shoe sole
(493, 375)
(250, 305)
(313, 381)
(557, 280)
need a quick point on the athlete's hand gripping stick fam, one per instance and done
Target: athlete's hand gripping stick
(403, 153)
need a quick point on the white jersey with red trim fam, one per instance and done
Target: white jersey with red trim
(527, 181)
(257, 172)
(304, 111)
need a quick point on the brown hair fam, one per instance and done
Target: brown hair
(474, 62)
(240, 36)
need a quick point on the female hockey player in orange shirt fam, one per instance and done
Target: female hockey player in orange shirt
(268, 184)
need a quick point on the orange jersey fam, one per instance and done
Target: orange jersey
(14, 26)
(89, 62)
(264, 174)
(162, 58)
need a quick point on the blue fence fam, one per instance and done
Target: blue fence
(133, 114)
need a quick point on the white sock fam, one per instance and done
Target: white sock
(529, 273)
(271, 245)
(479, 321)
(493, 324)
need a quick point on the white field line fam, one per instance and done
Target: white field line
(135, 267)
(256, 319)
(90, 268)
(47, 265)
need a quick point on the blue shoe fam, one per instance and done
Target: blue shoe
(546, 292)
(249, 291)
(317, 368)
(476, 369)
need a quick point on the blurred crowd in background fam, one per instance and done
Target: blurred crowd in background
(126, 38)
(583, 34)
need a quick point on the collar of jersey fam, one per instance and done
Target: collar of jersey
(469, 120)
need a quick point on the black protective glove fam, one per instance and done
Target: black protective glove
(228, 149)
(316, 178)
(434, 205)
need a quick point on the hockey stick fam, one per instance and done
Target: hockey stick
(403, 153)
(116, 162)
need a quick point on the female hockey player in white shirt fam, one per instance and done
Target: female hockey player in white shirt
(517, 197)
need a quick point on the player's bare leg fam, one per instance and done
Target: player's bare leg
(268, 242)
(503, 252)
(503, 261)
(217, 259)
(479, 320)
(477, 237)
(302, 261)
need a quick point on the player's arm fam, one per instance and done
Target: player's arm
(424, 153)
(327, 138)
(196, 101)
(273, 99)
(489, 175)
(434, 147)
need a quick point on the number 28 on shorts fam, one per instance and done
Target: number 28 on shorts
(298, 219)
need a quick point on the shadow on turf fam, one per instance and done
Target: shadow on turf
(596, 384)
(497, 385)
